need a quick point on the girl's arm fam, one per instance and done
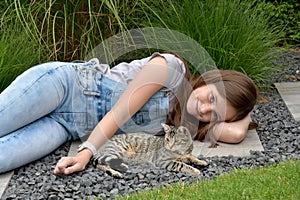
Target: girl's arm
(151, 79)
(232, 132)
(148, 81)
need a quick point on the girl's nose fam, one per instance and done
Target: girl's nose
(205, 108)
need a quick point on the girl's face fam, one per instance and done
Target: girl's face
(206, 104)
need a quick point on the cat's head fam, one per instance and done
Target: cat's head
(178, 139)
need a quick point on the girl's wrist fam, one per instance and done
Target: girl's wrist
(89, 146)
(84, 155)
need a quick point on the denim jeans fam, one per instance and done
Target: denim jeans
(54, 102)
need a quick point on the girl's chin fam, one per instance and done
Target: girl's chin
(196, 116)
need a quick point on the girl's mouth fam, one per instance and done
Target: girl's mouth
(197, 109)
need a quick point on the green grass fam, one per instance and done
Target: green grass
(280, 181)
(69, 29)
(35, 31)
(17, 53)
(237, 34)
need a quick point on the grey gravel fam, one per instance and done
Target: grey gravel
(278, 132)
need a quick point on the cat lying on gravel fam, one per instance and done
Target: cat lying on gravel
(170, 152)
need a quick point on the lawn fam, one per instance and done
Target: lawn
(280, 181)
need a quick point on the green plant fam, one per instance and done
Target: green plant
(286, 13)
(235, 33)
(17, 53)
(63, 30)
(69, 29)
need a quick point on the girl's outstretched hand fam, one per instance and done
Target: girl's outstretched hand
(69, 165)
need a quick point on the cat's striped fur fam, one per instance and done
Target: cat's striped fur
(170, 152)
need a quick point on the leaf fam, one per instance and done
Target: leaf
(263, 100)
(294, 78)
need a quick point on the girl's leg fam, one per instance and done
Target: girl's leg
(34, 94)
(30, 143)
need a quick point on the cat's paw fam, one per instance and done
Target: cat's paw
(201, 163)
(110, 171)
(123, 167)
(116, 174)
(197, 161)
(196, 172)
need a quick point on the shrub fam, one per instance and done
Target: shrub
(236, 33)
(286, 13)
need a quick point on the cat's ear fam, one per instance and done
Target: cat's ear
(166, 127)
(184, 130)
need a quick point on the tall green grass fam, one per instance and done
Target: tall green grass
(279, 181)
(65, 28)
(17, 53)
(70, 29)
(55, 30)
(236, 33)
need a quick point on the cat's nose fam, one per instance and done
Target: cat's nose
(170, 145)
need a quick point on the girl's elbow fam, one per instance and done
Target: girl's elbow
(239, 136)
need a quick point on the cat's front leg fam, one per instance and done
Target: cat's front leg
(196, 161)
(183, 167)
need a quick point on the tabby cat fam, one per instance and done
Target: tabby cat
(170, 152)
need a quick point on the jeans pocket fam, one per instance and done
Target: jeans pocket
(85, 74)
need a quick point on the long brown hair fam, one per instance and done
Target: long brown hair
(239, 90)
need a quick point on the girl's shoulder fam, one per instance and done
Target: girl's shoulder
(125, 72)
(174, 62)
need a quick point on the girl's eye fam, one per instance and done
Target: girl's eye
(215, 116)
(212, 99)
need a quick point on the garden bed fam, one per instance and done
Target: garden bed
(278, 132)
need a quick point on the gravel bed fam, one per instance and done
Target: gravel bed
(278, 132)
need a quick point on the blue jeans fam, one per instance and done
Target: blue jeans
(54, 102)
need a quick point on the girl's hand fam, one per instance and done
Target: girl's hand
(69, 165)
